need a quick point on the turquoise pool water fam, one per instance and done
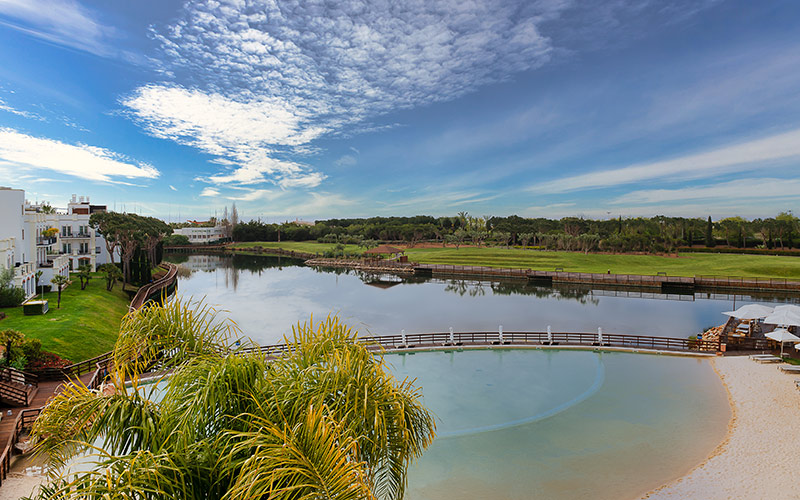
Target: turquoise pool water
(557, 424)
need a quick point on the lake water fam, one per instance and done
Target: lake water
(267, 295)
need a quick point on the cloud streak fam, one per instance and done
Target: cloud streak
(26, 152)
(747, 155)
(64, 22)
(759, 188)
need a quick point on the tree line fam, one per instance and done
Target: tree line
(658, 234)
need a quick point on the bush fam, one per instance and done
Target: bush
(48, 360)
(176, 240)
(11, 296)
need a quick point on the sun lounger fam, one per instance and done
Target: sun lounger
(789, 369)
(771, 359)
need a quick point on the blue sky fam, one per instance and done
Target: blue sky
(310, 109)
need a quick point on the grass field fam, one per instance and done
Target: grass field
(86, 325)
(297, 246)
(686, 264)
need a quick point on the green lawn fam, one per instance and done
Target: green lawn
(687, 264)
(297, 246)
(86, 325)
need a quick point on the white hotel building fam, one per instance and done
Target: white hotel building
(202, 235)
(24, 247)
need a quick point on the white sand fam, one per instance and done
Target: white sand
(19, 485)
(760, 459)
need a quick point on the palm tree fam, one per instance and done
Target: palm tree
(323, 420)
(59, 281)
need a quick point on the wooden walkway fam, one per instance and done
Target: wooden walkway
(15, 422)
(90, 372)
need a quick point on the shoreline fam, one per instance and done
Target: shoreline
(757, 455)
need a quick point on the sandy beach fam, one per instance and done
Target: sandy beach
(760, 458)
(19, 485)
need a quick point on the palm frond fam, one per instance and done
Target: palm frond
(167, 335)
(307, 460)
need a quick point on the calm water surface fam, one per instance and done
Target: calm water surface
(267, 295)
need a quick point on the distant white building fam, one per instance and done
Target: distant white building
(202, 235)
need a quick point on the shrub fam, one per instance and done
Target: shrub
(176, 240)
(12, 296)
(48, 360)
(19, 362)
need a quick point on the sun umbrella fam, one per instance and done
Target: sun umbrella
(785, 317)
(750, 311)
(782, 335)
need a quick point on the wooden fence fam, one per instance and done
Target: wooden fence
(438, 339)
(23, 422)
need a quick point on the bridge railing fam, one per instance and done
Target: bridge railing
(519, 338)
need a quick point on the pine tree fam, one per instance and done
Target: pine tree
(710, 233)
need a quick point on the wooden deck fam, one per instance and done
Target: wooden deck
(10, 425)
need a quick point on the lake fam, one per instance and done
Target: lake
(266, 296)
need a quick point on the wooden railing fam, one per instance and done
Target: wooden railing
(150, 290)
(10, 374)
(520, 339)
(24, 421)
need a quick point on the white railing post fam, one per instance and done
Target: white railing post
(403, 342)
(549, 335)
(599, 335)
(452, 339)
(500, 333)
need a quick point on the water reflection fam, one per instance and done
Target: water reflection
(266, 295)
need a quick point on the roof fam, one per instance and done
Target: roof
(384, 249)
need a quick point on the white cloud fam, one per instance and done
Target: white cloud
(747, 155)
(9, 109)
(346, 161)
(173, 187)
(242, 133)
(739, 189)
(64, 22)
(278, 75)
(210, 192)
(253, 195)
(26, 152)
(320, 205)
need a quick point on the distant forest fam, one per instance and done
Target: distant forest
(652, 235)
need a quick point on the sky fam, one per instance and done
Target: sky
(353, 108)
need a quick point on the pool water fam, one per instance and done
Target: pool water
(558, 424)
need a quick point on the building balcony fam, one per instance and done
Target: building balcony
(25, 269)
(75, 236)
(45, 242)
